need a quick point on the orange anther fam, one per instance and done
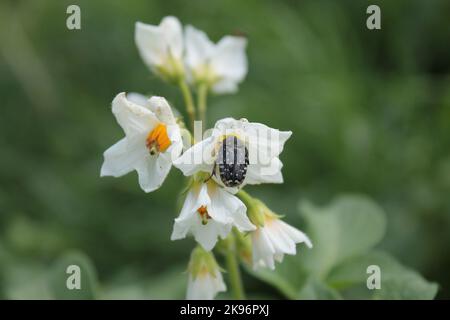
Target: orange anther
(158, 138)
(203, 211)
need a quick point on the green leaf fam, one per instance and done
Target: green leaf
(406, 286)
(26, 281)
(343, 235)
(288, 277)
(354, 270)
(314, 289)
(72, 265)
(397, 281)
(3, 257)
(349, 226)
(169, 284)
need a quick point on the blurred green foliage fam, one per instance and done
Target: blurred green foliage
(370, 112)
(344, 235)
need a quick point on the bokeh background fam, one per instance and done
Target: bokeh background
(370, 112)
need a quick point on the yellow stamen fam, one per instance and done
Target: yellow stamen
(158, 140)
(204, 214)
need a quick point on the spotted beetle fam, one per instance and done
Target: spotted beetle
(232, 161)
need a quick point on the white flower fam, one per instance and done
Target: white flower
(209, 212)
(263, 144)
(205, 279)
(221, 66)
(152, 140)
(205, 286)
(276, 238)
(161, 47)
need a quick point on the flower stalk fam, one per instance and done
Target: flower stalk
(202, 94)
(189, 102)
(253, 211)
(234, 274)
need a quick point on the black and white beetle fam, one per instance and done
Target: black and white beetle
(232, 161)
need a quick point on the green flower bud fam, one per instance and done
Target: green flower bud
(202, 262)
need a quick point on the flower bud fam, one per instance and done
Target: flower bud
(273, 238)
(205, 278)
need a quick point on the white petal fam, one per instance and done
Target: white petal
(152, 171)
(219, 284)
(139, 99)
(241, 220)
(199, 288)
(133, 118)
(173, 35)
(225, 86)
(192, 289)
(296, 235)
(228, 124)
(229, 60)
(259, 135)
(196, 198)
(265, 143)
(121, 158)
(221, 206)
(162, 110)
(205, 286)
(198, 47)
(158, 105)
(262, 250)
(197, 158)
(156, 43)
(150, 43)
(281, 242)
(207, 235)
(227, 208)
(257, 174)
(180, 230)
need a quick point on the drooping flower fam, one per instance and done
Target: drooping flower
(273, 237)
(152, 140)
(209, 212)
(262, 144)
(161, 47)
(205, 278)
(220, 66)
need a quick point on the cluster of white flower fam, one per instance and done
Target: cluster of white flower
(233, 154)
(171, 54)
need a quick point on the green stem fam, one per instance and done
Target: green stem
(234, 274)
(189, 102)
(246, 198)
(202, 93)
(255, 208)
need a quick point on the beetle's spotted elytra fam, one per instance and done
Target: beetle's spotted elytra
(232, 161)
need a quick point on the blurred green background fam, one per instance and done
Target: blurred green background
(370, 112)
